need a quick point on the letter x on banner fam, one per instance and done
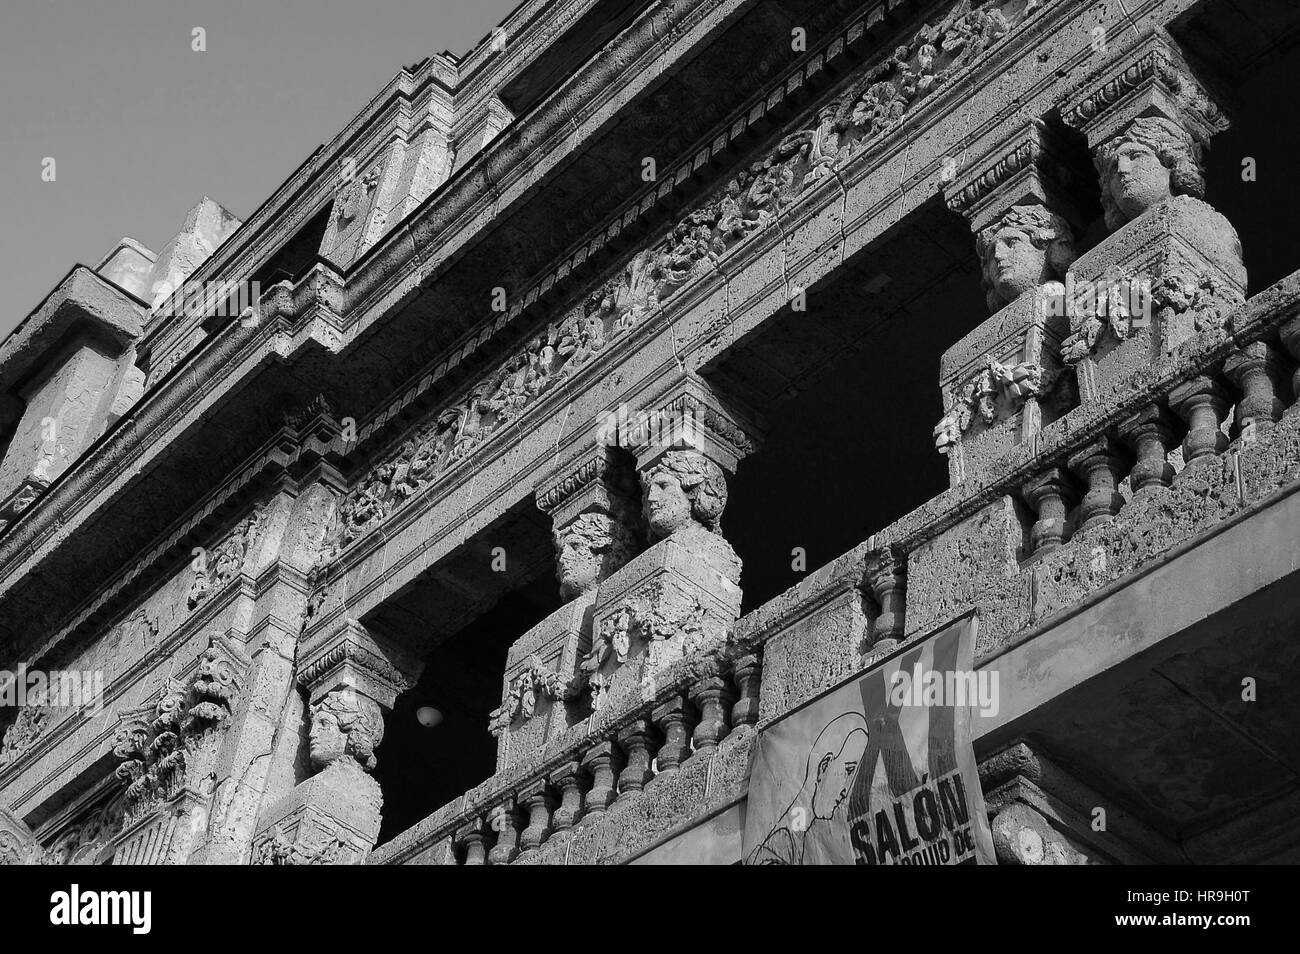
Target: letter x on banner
(879, 770)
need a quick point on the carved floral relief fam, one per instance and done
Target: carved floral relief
(746, 204)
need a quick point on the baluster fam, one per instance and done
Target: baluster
(1099, 465)
(1256, 370)
(1150, 434)
(1202, 404)
(713, 697)
(748, 675)
(676, 718)
(602, 762)
(639, 740)
(886, 574)
(505, 820)
(538, 799)
(1050, 495)
(470, 841)
(568, 780)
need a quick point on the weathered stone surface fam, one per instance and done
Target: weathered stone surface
(312, 541)
(206, 226)
(540, 698)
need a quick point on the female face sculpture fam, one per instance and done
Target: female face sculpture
(589, 549)
(1027, 247)
(1152, 160)
(345, 725)
(667, 508)
(1014, 264)
(684, 489)
(1138, 179)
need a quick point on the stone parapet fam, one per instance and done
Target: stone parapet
(599, 773)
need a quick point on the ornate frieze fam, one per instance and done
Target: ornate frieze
(212, 570)
(869, 107)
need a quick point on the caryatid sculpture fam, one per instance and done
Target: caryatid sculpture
(684, 492)
(1025, 249)
(1152, 160)
(589, 549)
(345, 726)
(1028, 249)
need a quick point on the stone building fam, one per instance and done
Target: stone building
(573, 413)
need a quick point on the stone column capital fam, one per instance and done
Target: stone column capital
(1149, 79)
(1028, 166)
(688, 415)
(596, 518)
(350, 656)
(601, 477)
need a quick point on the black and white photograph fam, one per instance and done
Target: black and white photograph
(650, 432)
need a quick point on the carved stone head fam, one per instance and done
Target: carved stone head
(1153, 159)
(685, 488)
(345, 724)
(590, 548)
(1029, 246)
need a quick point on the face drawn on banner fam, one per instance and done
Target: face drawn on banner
(883, 780)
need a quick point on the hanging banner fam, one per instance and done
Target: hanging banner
(881, 769)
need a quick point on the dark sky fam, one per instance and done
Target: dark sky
(141, 127)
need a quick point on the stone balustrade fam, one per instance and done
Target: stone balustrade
(592, 792)
(1123, 483)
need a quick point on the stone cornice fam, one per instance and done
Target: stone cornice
(315, 181)
(291, 451)
(116, 456)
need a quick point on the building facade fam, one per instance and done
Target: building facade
(573, 414)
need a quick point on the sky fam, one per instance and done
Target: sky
(141, 126)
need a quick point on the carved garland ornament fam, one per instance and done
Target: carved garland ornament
(521, 700)
(977, 398)
(646, 616)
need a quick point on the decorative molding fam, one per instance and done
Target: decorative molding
(977, 398)
(158, 743)
(533, 683)
(1154, 68)
(870, 106)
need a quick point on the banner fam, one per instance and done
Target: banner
(881, 769)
